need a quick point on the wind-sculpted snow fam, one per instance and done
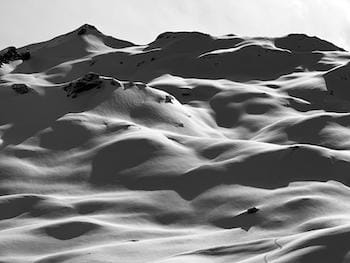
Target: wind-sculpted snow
(193, 148)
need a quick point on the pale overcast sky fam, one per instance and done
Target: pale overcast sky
(140, 21)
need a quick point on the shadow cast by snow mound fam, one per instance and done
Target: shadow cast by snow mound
(70, 230)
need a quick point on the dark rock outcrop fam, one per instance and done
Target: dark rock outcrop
(12, 54)
(85, 83)
(168, 99)
(252, 210)
(21, 88)
(25, 55)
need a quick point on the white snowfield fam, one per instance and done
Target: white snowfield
(192, 148)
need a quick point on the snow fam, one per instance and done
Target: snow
(193, 148)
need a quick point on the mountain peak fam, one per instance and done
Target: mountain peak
(86, 28)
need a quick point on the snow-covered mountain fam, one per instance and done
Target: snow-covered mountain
(193, 148)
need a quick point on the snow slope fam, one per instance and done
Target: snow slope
(192, 148)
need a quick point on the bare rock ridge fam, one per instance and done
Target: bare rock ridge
(191, 148)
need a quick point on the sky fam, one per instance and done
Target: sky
(140, 21)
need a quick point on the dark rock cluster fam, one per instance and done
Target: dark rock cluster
(20, 88)
(168, 99)
(11, 54)
(85, 83)
(252, 210)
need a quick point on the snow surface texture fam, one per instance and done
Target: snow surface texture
(192, 148)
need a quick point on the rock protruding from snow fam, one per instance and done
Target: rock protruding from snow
(21, 88)
(85, 83)
(12, 54)
(252, 210)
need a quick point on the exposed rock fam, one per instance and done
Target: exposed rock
(20, 88)
(168, 99)
(11, 54)
(25, 55)
(87, 82)
(252, 210)
(91, 76)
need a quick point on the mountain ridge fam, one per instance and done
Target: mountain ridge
(189, 54)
